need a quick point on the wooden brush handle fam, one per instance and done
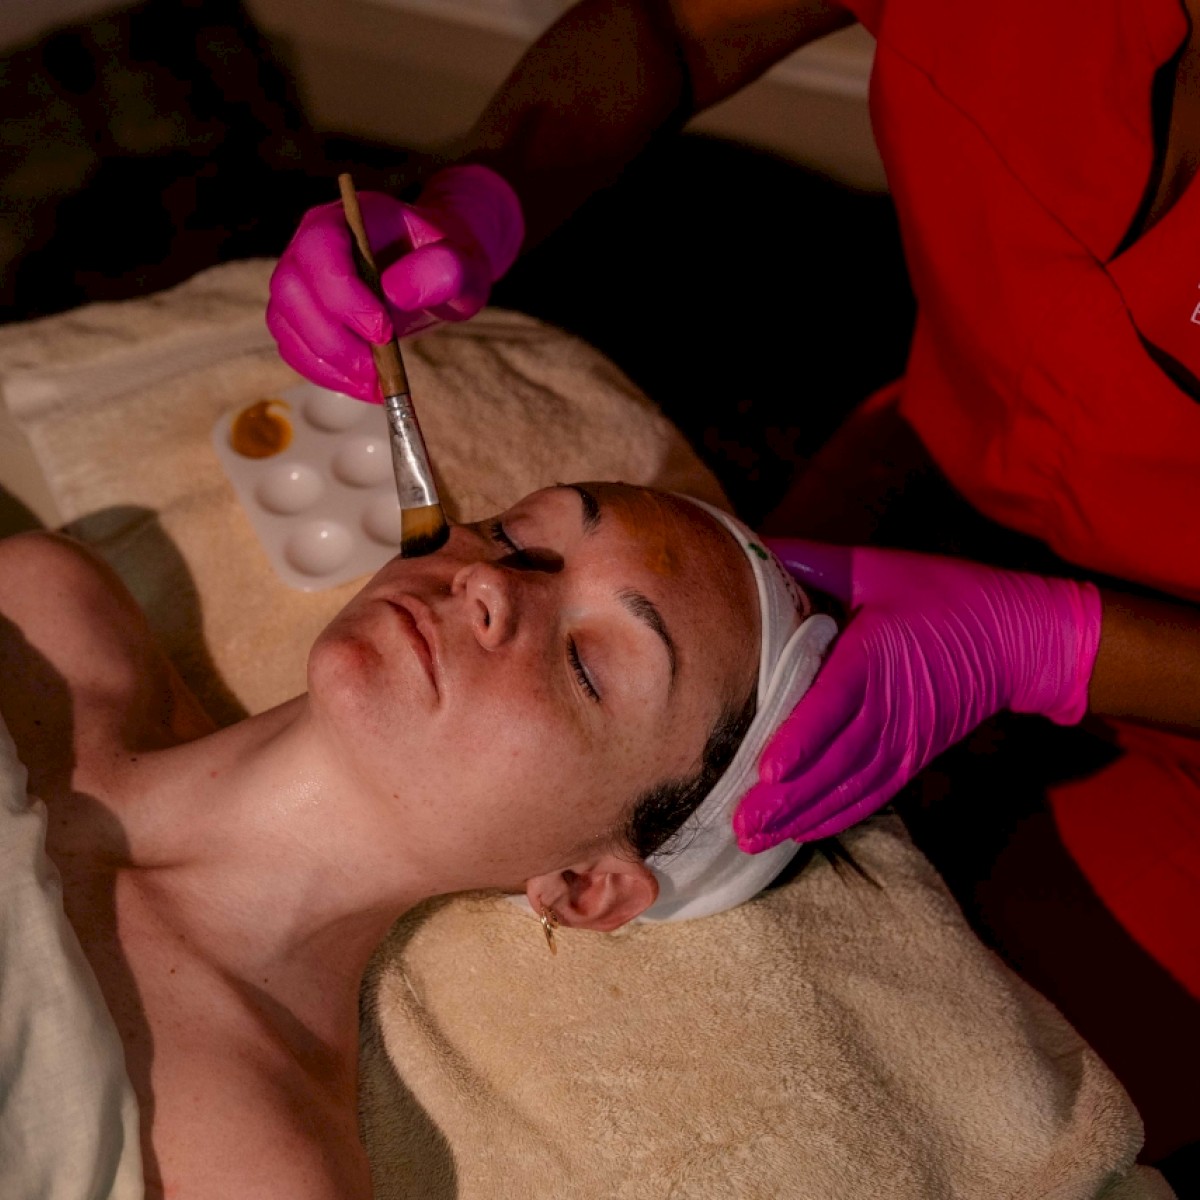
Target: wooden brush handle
(389, 366)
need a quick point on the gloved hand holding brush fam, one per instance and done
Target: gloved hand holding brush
(439, 259)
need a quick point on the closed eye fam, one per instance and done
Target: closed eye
(580, 670)
(521, 558)
(500, 536)
(524, 560)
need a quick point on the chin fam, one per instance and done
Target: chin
(347, 677)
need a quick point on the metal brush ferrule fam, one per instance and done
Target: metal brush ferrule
(414, 479)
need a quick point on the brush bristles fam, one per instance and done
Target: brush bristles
(422, 530)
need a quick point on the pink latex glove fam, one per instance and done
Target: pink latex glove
(934, 646)
(438, 259)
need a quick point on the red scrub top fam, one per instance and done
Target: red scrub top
(1053, 374)
(1018, 145)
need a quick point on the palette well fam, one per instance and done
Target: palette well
(313, 470)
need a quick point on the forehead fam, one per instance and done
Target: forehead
(703, 578)
(675, 538)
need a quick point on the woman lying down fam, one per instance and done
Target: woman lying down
(541, 707)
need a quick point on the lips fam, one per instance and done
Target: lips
(416, 622)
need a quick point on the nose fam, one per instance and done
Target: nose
(489, 592)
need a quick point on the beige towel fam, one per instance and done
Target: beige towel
(827, 1040)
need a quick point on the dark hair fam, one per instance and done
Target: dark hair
(660, 812)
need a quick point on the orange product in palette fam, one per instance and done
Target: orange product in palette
(261, 430)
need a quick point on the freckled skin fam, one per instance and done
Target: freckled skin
(229, 926)
(523, 685)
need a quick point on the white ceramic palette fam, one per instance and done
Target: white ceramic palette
(324, 504)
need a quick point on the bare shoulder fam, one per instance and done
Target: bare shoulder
(49, 582)
(77, 655)
(68, 606)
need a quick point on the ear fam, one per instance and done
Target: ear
(601, 893)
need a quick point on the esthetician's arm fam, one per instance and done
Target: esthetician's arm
(933, 647)
(610, 74)
(1148, 665)
(586, 98)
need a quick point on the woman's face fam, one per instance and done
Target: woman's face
(508, 697)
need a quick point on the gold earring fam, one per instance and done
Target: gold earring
(549, 920)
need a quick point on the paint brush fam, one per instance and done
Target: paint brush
(423, 526)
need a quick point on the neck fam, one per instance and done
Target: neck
(261, 846)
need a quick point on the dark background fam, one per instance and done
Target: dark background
(146, 145)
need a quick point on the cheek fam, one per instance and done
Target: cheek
(526, 780)
(518, 748)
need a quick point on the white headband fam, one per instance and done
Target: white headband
(708, 873)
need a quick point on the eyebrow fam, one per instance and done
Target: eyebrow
(640, 605)
(647, 612)
(591, 506)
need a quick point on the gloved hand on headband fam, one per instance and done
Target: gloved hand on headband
(438, 260)
(933, 647)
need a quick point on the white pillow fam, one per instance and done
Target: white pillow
(68, 1115)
